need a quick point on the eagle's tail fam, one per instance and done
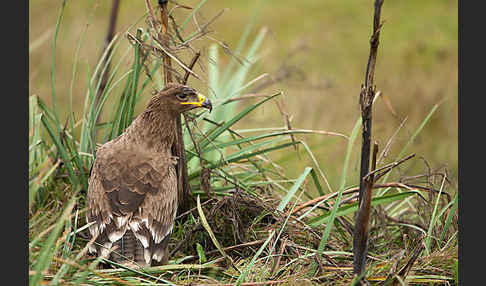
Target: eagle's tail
(129, 251)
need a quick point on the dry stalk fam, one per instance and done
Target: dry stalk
(361, 228)
(279, 256)
(366, 97)
(356, 189)
(391, 278)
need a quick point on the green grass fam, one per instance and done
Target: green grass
(258, 177)
(416, 67)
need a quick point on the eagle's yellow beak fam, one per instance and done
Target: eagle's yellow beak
(202, 101)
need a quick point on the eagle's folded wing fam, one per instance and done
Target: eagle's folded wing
(132, 189)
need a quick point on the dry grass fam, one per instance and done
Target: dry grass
(416, 68)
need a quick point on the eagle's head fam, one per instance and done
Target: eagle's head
(180, 98)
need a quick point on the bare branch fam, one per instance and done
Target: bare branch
(367, 94)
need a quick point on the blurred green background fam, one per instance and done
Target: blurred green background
(325, 45)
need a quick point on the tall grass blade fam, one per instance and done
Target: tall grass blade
(232, 121)
(47, 251)
(62, 151)
(245, 272)
(206, 226)
(54, 42)
(73, 76)
(417, 132)
(333, 214)
(243, 39)
(448, 220)
(433, 218)
(196, 173)
(264, 136)
(189, 17)
(36, 183)
(286, 199)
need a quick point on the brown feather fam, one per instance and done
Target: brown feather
(132, 194)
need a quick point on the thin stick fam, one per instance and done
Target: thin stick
(279, 256)
(390, 141)
(366, 97)
(193, 209)
(361, 228)
(387, 168)
(356, 189)
(151, 13)
(191, 66)
(392, 278)
(164, 37)
(319, 263)
(183, 185)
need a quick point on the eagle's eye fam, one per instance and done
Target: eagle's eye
(182, 96)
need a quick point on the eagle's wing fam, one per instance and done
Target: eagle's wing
(132, 189)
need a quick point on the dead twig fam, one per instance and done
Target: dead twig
(356, 189)
(387, 168)
(367, 94)
(392, 277)
(361, 228)
(319, 263)
(283, 111)
(191, 66)
(279, 256)
(390, 141)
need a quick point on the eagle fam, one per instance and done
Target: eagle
(132, 193)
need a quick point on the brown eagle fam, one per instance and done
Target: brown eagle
(132, 192)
